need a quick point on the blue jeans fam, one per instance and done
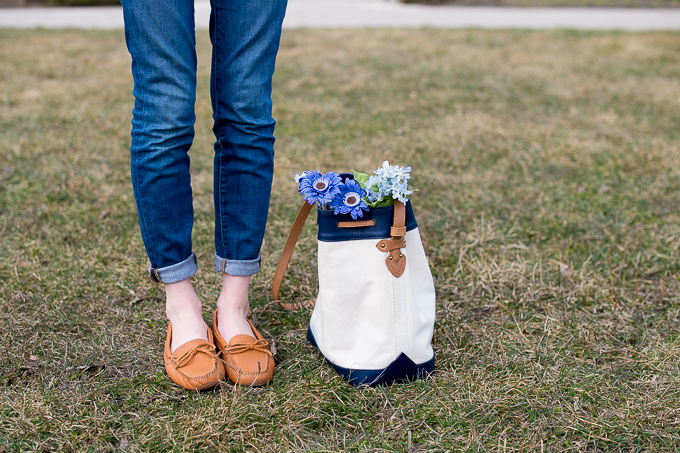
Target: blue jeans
(161, 39)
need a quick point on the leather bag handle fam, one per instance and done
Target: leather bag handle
(287, 253)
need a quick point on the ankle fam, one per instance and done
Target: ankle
(183, 309)
(181, 299)
(233, 307)
(233, 299)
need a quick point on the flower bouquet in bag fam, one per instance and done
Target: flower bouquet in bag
(373, 320)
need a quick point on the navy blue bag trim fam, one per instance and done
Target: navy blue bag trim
(402, 369)
(330, 232)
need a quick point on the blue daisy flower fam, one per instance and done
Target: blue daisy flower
(349, 200)
(297, 177)
(318, 188)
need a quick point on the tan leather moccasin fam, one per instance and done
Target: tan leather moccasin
(248, 360)
(195, 365)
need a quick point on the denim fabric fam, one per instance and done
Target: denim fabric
(237, 267)
(176, 272)
(161, 39)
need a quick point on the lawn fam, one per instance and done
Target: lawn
(520, 3)
(548, 169)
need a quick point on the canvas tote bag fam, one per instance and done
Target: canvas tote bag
(373, 320)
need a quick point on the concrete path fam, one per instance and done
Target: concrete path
(378, 13)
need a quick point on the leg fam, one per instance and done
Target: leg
(245, 37)
(233, 306)
(160, 38)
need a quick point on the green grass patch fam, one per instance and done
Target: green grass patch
(548, 168)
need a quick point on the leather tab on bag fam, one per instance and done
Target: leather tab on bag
(387, 245)
(356, 224)
(397, 232)
(396, 262)
(399, 215)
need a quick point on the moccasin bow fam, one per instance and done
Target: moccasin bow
(238, 348)
(248, 359)
(195, 365)
(184, 359)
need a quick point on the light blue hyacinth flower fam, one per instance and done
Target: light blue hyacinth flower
(389, 181)
(318, 188)
(349, 200)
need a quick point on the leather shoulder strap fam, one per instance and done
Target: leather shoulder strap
(287, 253)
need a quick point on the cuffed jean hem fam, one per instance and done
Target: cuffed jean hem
(239, 268)
(176, 272)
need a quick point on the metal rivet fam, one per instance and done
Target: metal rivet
(382, 245)
(390, 257)
(401, 255)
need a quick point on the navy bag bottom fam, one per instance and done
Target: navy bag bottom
(403, 369)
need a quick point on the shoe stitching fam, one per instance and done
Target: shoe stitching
(258, 346)
(198, 378)
(247, 373)
(173, 361)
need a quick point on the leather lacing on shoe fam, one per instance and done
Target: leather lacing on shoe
(239, 348)
(185, 358)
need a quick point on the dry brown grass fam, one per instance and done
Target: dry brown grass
(547, 164)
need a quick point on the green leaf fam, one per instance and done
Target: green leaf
(361, 178)
(387, 201)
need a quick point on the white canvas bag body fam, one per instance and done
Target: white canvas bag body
(374, 315)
